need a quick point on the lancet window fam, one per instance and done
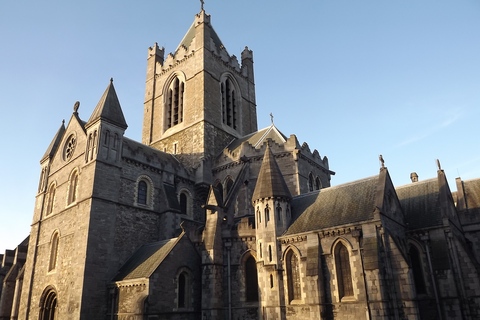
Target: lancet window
(72, 187)
(175, 95)
(293, 276)
(251, 280)
(53, 252)
(344, 274)
(229, 103)
(417, 270)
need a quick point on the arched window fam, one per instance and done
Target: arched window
(43, 177)
(53, 252)
(144, 192)
(106, 140)
(72, 187)
(229, 103)
(251, 279)
(49, 306)
(344, 274)
(270, 258)
(183, 203)
(94, 144)
(228, 186)
(267, 215)
(310, 182)
(183, 290)
(417, 270)
(259, 216)
(219, 188)
(279, 213)
(293, 276)
(318, 184)
(51, 199)
(175, 102)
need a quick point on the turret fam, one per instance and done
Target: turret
(105, 129)
(271, 201)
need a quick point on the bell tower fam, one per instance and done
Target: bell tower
(199, 97)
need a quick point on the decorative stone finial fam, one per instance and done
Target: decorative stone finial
(63, 122)
(202, 2)
(111, 80)
(380, 157)
(76, 106)
(271, 117)
(414, 177)
(438, 165)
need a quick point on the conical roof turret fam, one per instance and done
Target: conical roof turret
(270, 182)
(108, 109)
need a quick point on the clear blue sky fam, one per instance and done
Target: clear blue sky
(354, 79)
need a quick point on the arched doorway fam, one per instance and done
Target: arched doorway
(49, 305)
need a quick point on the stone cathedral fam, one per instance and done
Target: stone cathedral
(209, 217)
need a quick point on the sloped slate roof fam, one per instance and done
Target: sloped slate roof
(420, 203)
(256, 139)
(270, 182)
(472, 192)
(334, 206)
(145, 260)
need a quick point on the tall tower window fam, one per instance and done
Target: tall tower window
(344, 274)
(293, 276)
(175, 102)
(229, 103)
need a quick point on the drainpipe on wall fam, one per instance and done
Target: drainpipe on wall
(228, 246)
(432, 275)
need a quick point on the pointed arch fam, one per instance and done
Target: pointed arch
(184, 287)
(174, 92)
(415, 254)
(318, 183)
(185, 201)
(51, 198)
(218, 185)
(228, 186)
(251, 278)
(72, 187)
(343, 270)
(310, 182)
(231, 100)
(54, 241)
(292, 263)
(48, 304)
